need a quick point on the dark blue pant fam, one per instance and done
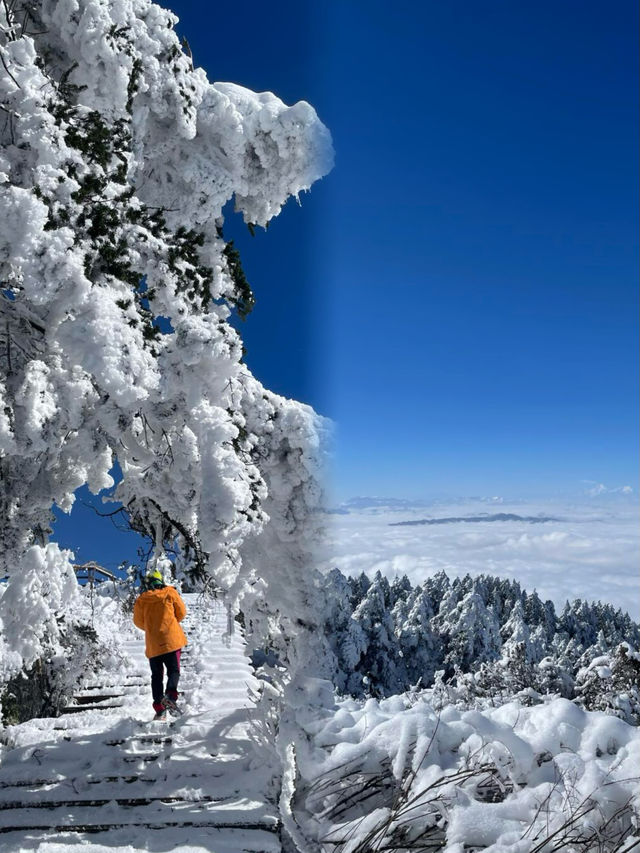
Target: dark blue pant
(172, 663)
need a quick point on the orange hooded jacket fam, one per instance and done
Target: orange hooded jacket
(158, 612)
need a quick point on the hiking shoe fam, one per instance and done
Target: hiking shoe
(170, 705)
(161, 715)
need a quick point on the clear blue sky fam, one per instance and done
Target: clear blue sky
(480, 233)
(460, 294)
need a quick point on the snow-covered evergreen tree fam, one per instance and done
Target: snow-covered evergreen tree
(378, 663)
(437, 586)
(585, 626)
(538, 643)
(515, 631)
(116, 159)
(420, 646)
(359, 587)
(471, 632)
(479, 657)
(400, 589)
(539, 614)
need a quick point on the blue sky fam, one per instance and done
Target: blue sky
(482, 247)
(460, 293)
(465, 302)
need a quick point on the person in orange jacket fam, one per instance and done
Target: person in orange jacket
(158, 612)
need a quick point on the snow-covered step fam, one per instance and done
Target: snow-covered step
(142, 738)
(137, 681)
(189, 788)
(91, 697)
(134, 781)
(38, 801)
(127, 812)
(112, 702)
(181, 838)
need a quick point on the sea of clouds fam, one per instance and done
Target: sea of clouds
(586, 550)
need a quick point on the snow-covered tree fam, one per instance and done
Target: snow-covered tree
(586, 625)
(437, 586)
(116, 159)
(338, 592)
(540, 614)
(481, 658)
(359, 587)
(515, 632)
(400, 589)
(420, 646)
(351, 651)
(378, 661)
(279, 557)
(538, 643)
(471, 633)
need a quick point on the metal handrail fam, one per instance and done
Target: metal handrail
(95, 572)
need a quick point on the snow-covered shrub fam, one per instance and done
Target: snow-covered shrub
(40, 590)
(397, 775)
(611, 683)
(52, 635)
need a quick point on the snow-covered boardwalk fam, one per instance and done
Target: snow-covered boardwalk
(105, 778)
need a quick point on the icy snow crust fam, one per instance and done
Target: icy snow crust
(116, 159)
(392, 773)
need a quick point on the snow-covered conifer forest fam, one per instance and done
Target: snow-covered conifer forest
(457, 715)
(480, 642)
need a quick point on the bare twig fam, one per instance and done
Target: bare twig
(7, 69)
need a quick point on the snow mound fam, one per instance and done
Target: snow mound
(396, 772)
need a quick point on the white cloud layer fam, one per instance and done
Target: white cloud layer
(590, 552)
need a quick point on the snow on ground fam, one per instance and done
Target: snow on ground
(395, 774)
(203, 782)
(592, 551)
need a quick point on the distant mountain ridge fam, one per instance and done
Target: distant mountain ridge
(482, 517)
(595, 496)
(365, 502)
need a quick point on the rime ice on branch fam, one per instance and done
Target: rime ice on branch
(116, 159)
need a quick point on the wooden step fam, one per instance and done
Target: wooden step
(90, 828)
(139, 756)
(121, 801)
(81, 815)
(139, 738)
(106, 688)
(41, 783)
(100, 697)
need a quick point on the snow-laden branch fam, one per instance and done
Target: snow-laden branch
(116, 159)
